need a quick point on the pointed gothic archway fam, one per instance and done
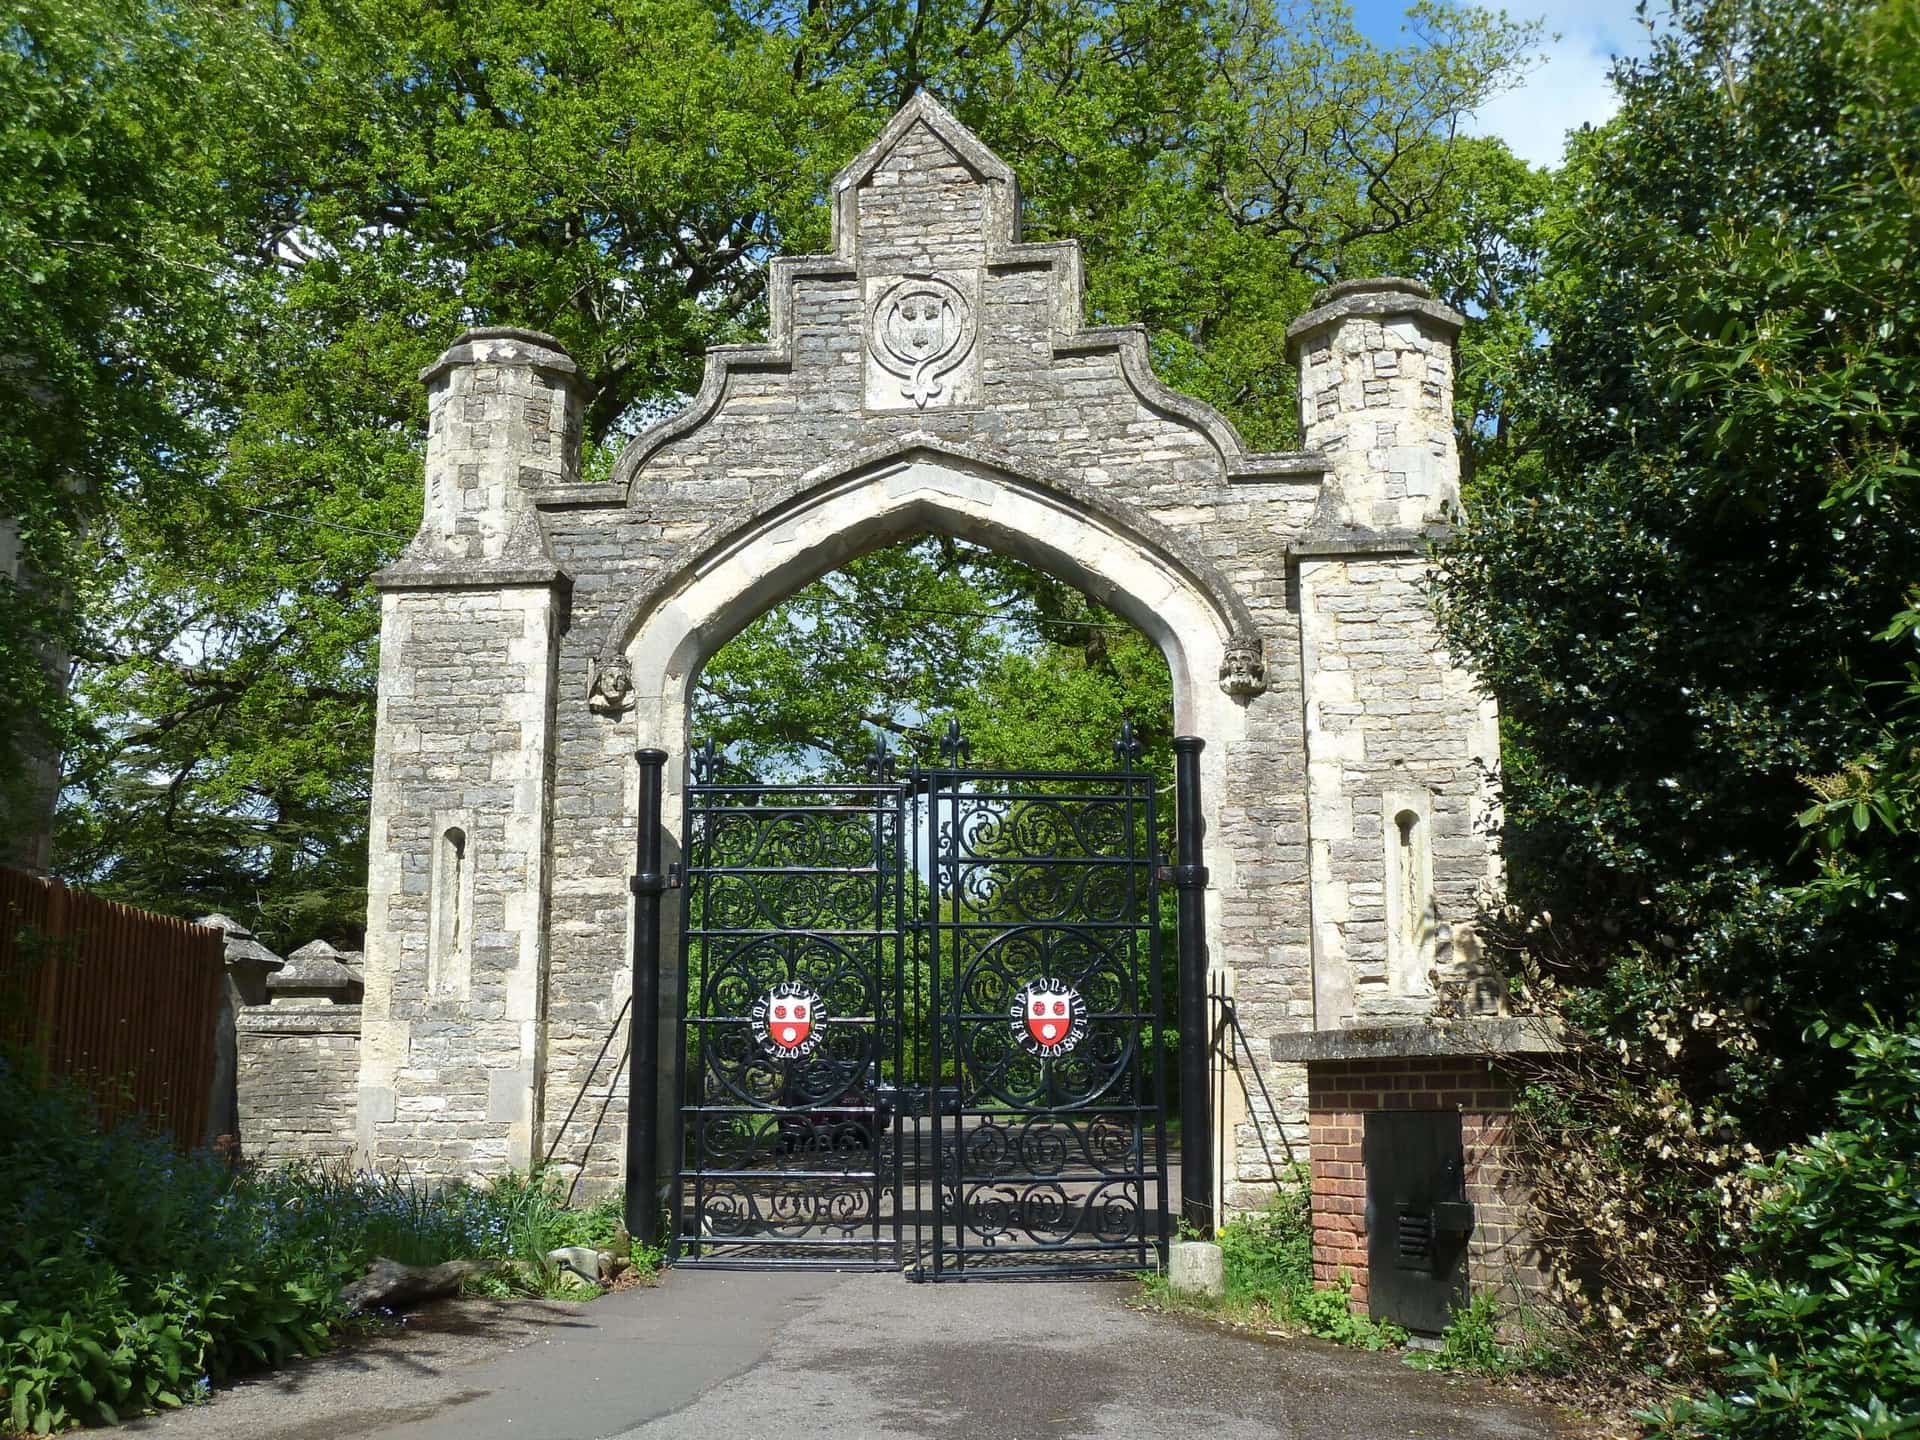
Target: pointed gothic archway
(734, 572)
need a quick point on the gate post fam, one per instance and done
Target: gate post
(1190, 886)
(643, 1070)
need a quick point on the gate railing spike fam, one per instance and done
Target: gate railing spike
(1127, 749)
(880, 766)
(706, 763)
(955, 748)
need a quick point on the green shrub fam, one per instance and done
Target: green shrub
(1268, 1259)
(1821, 1333)
(1329, 1314)
(1471, 1341)
(136, 1277)
(1472, 1344)
(133, 1276)
(1269, 1256)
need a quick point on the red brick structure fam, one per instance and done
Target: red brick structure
(1464, 1066)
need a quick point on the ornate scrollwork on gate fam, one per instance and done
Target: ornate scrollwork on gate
(1046, 976)
(929, 993)
(791, 1005)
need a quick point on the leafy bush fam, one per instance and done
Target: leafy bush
(1822, 1331)
(1474, 1343)
(1269, 1255)
(132, 1274)
(344, 1217)
(1645, 1198)
(136, 1277)
(1329, 1314)
(1268, 1258)
(1471, 1341)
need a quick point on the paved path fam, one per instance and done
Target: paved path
(854, 1357)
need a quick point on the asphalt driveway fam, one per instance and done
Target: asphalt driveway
(855, 1357)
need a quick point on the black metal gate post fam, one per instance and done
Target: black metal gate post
(1190, 883)
(643, 1074)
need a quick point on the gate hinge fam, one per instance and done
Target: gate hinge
(1182, 877)
(652, 882)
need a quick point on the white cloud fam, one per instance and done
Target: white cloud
(1570, 87)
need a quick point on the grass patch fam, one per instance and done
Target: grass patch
(1268, 1258)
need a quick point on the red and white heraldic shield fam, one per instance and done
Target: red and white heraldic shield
(1049, 1014)
(790, 1020)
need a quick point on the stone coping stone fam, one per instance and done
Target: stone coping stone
(1382, 299)
(239, 944)
(321, 1019)
(503, 345)
(460, 573)
(1314, 546)
(315, 967)
(1477, 1035)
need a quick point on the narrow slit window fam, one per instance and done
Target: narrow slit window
(1412, 902)
(1409, 901)
(451, 922)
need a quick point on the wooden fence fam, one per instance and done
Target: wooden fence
(120, 1000)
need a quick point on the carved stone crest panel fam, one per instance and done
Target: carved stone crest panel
(922, 341)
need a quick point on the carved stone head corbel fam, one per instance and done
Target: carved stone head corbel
(611, 689)
(1243, 670)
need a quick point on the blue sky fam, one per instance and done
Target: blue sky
(1569, 88)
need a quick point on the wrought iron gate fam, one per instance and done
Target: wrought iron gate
(917, 1022)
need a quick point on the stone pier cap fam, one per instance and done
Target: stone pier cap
(1382, 297)
(503, 345)
(1476, 1035)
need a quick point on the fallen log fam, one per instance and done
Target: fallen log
(389, 1285)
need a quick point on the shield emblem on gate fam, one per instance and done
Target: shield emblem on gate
(1052, 1016)
(789, 1021)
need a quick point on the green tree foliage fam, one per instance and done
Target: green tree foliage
(902, 641)
(1681, 597)
(619, 175)
(1822, 1329)
(122, 198)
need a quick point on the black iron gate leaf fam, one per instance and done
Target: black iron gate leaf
(791, 918)
(916, 1021)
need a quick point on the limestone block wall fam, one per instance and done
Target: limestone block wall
(298, 1076)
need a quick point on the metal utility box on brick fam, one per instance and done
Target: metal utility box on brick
(1418, 1218)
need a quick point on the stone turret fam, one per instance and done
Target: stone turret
(469, 630)
(503, 420)
(1398, 743)
(1376, 398)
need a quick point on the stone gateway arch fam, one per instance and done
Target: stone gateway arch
(933, 373)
